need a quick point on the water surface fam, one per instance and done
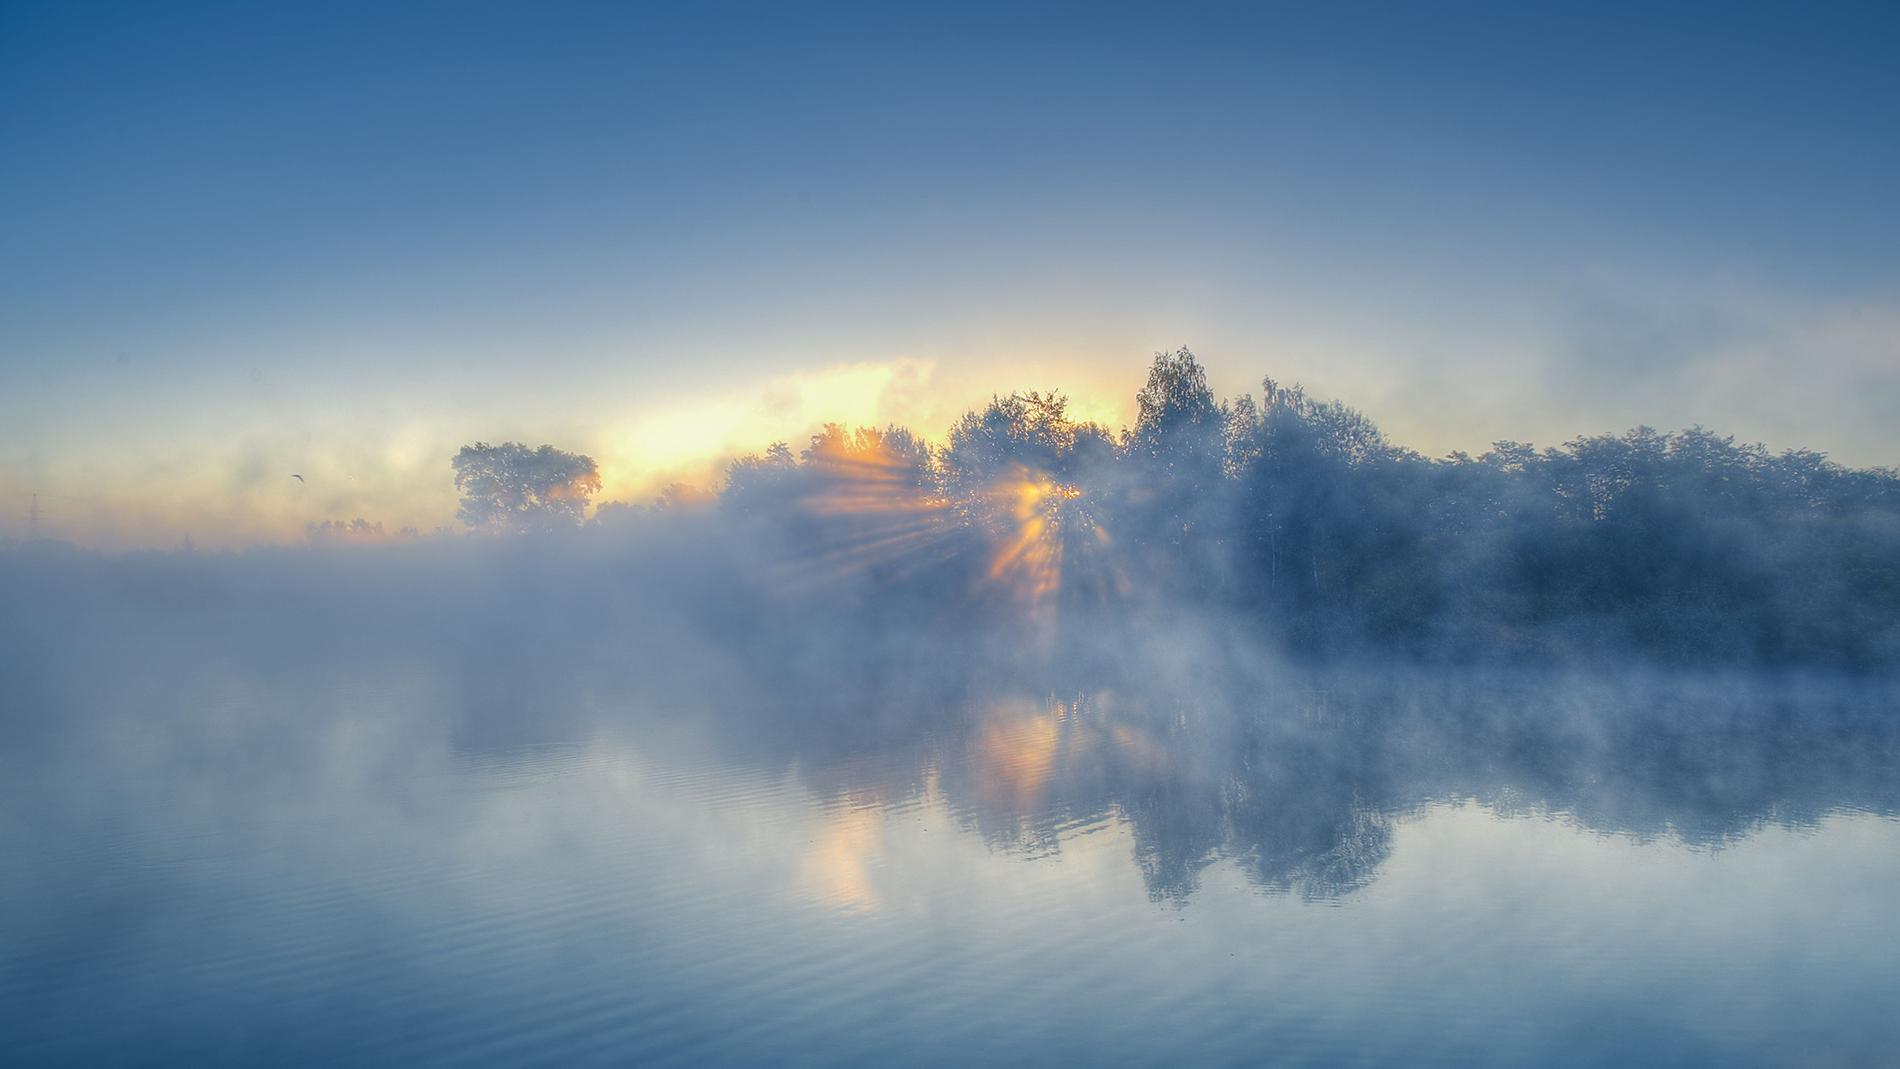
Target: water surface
(393, 860)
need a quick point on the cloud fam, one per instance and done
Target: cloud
(1791, 373)
(1612, 345)
(1827, 378)
(690, 440)
(241, 493)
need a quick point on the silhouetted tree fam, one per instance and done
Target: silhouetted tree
(1301, 519)
(1180, 430)
(332, 532)
(1022, 431)
(512, 488)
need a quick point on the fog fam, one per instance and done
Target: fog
(878, 729)
(248, 669)
(1253, 629)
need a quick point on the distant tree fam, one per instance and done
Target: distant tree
(336, 532)
(1176, 466)
(1302, 518)
(760, 485)
(616, 514)
(837, 445)
(683, 496)
(512, 488)
(1178, 424)
(1024, 431)
(851, 476)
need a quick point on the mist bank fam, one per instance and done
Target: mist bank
(813, 632)
(278, 675)
(1274, 523)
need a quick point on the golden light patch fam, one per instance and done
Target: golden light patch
(837, 867)
(1016, 754)
(691, 441)
(1036, 517)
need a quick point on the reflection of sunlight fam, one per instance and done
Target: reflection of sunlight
(1139, 748)
(1017, 752)
(837, 867)
(1024, 743)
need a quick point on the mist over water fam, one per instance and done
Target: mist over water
(701, 574)
(625, 794)
(1242, 736)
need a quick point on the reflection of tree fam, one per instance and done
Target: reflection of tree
(1296, 806)
(1177, 826)
(1206, 751)
(1172, 722)
(1302, 786)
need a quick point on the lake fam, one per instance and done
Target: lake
(395, 858)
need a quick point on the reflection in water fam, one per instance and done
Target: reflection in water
(521, 849)
(1302, 791)
(837, 867)
(1016, 753)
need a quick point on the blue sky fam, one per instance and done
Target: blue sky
(250, 239)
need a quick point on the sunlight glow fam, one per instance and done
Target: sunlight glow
(874, 507)
(688, 439)
(1017, 751)
(1037, 516)
(837, 867)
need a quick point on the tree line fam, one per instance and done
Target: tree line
(1300, 518)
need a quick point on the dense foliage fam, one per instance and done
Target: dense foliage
(511, 488)
(1300, 517)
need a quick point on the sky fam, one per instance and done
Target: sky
(239, 241)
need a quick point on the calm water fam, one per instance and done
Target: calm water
(382, 862)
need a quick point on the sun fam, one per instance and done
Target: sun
(1036, 519)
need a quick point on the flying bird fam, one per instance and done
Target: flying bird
(296, 476)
